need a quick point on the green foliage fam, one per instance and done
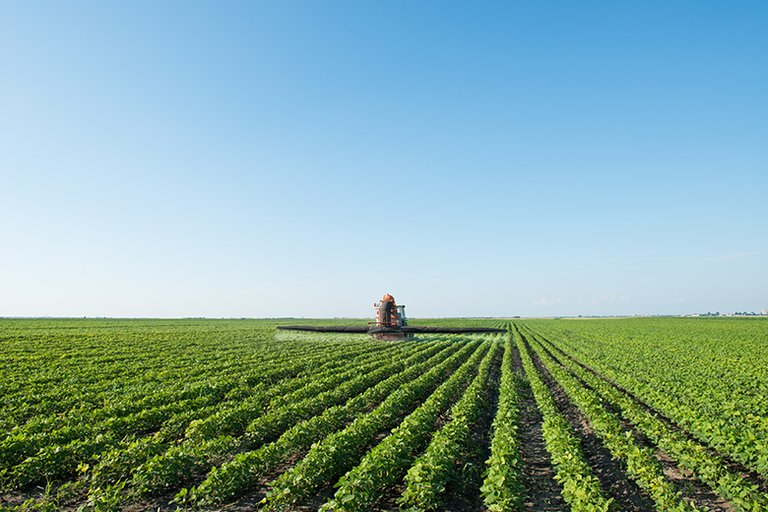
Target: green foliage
(641, 463)
(691, 455)
(580, 487)
(338, 452)
(710, 376)
(449, 450)
(232, 479)
(116, 414)
(502, 487)
(381, 467)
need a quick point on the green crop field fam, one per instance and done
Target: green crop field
(667, 414)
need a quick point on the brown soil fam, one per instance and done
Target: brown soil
(542, 490)
(689, 487)
(614, 481)
(464, 494)
(692, 488)
(736, 467)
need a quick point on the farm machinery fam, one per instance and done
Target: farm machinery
(391, 324)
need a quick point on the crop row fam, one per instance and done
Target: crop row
(693, 456)
(77, 421)
(232, 479)
(640, 462)
(502, 487)
(337, 453)
(386, 463)
(580, 487)
(207, 413)
(62, 451)
(451, 446)
(81, 382)
(178, 464)
(712, 381)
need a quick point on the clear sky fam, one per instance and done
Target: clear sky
(292, 158)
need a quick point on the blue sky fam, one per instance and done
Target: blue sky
(258, 159)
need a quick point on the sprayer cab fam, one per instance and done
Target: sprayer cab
(389, 313)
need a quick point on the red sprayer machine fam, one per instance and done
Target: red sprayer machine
(390, 324)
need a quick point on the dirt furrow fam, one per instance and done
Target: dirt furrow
(542, 490)
(464, 495)
(689, 486)
(734, 466)
(628, 497)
